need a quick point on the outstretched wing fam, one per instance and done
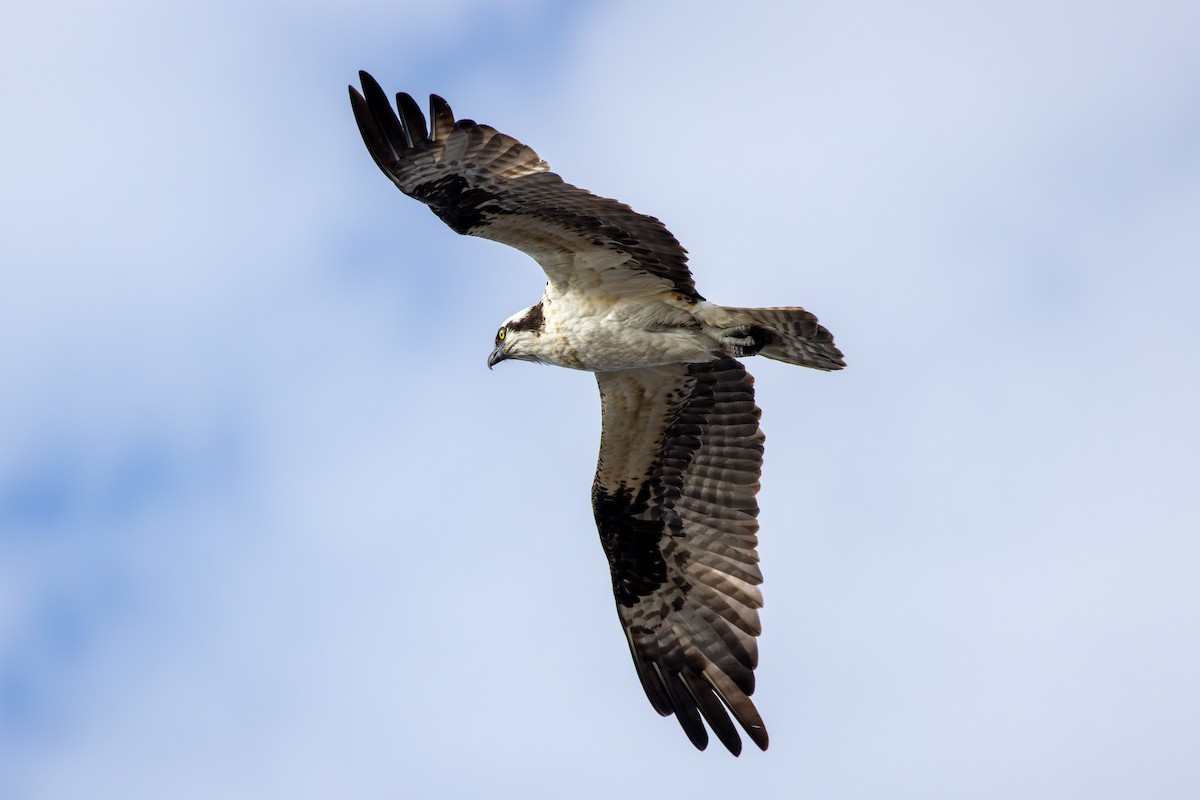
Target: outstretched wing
(483, 183)
(674, 498)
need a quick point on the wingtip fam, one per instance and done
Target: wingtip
(739, 704)
(441, 118)
(369, 85)
(759, 737)
(698, 737)
(412, 119)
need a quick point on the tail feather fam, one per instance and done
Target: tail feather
(791, 335)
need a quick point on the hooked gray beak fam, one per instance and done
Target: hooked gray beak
(497, 356)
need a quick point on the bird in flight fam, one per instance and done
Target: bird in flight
(680, 444)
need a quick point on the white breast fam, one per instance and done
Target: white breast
(599, 333)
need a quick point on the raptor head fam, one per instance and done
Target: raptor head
(518, 336)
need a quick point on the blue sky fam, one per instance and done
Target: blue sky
(269, 527)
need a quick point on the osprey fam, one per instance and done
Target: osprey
(680, 445)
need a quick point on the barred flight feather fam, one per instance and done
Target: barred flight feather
(715, 624)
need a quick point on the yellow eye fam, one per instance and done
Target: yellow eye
(500, 335)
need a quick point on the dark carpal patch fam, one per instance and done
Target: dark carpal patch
(454, 201)
(631, 542)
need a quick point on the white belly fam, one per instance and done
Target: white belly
(622, 336)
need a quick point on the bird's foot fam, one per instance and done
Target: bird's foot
(744, 340)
